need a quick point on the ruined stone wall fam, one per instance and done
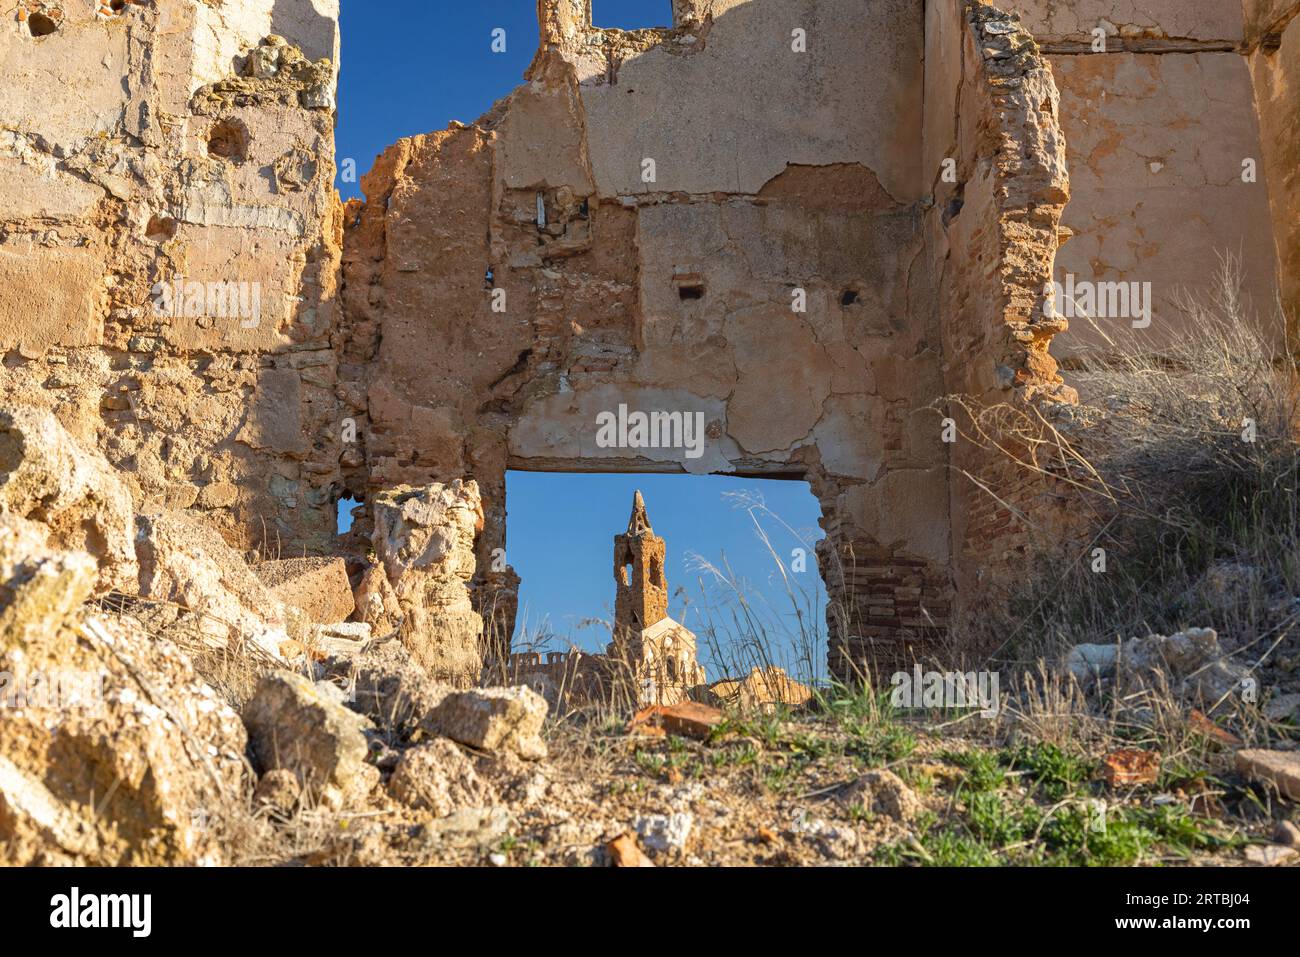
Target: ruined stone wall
(1155, 131)
(1000, 186)
(169, 241)
(571, 679)
(765, 275)
(794, 226)
(1159, 126)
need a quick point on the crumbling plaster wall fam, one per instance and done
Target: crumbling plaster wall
(777, 174)
(163, 141)
(1155, 131)
(507, 282)
(1272, 48)
(1158, 128)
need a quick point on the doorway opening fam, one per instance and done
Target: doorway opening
(739, 566)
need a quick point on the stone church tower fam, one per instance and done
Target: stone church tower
(642, 598)
(649, 651)
(659, 651)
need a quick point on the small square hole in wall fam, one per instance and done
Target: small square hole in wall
(631, 14)
(41, 25)
(160, 229)
(689, 287)
(228, 139)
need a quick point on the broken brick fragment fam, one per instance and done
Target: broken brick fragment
(689, 719)
(1128, 767)
(1206, 727)
(624, 852)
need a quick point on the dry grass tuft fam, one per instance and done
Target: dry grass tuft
(1183, 461)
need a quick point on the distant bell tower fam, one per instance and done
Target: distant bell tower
(642, 596)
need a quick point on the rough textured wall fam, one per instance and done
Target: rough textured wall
(994, 234)
(169, 248)
(779, 178)
(424, 541)
(1158, 127)
(1272, 44)
(745, 221)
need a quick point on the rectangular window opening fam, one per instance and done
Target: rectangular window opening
(739, 568)
(632, 14)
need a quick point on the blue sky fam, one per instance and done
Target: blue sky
(413, 66)
(412, 70)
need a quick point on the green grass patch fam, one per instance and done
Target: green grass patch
(984, 769)
(874, 745)
(1053, 772)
